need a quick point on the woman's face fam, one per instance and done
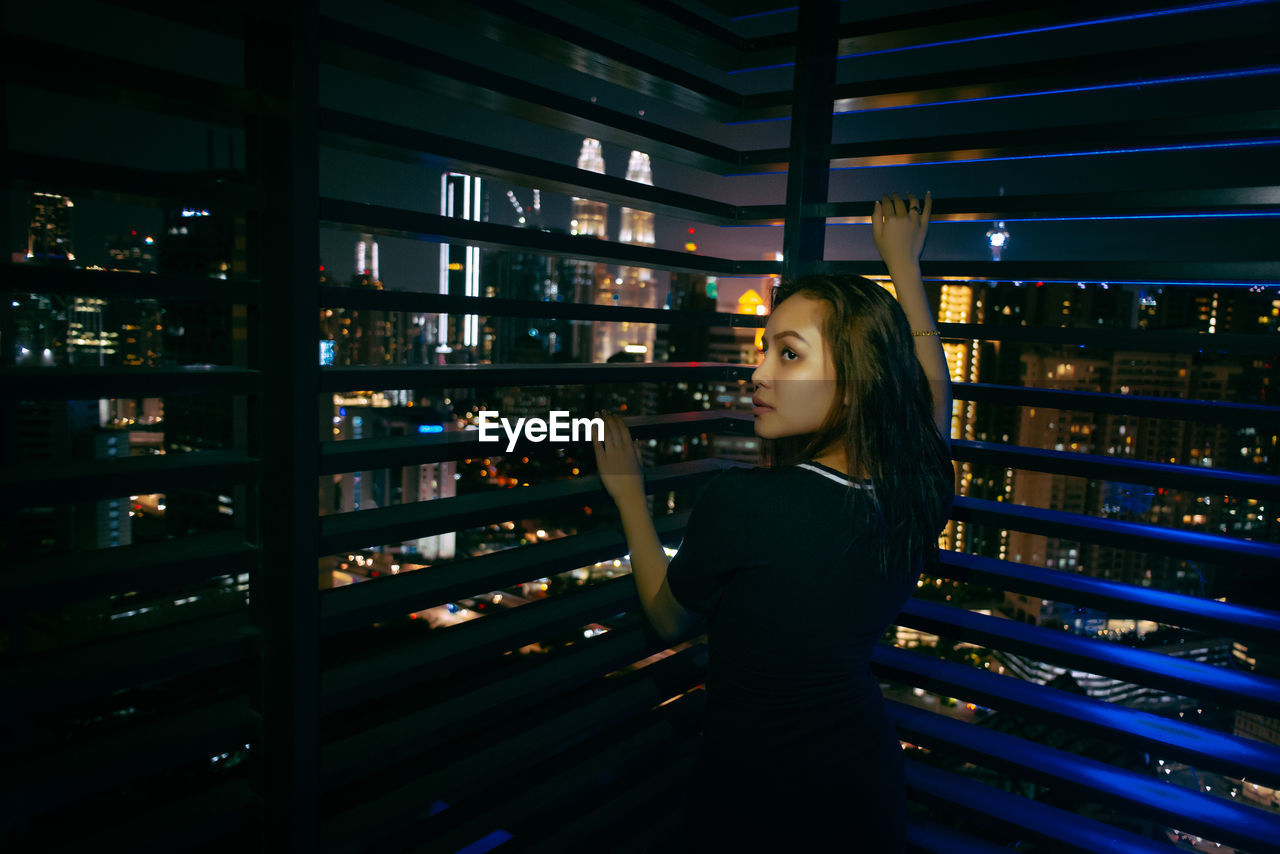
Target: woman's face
(796, 378)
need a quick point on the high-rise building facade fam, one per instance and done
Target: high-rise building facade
(51, 433)
(590, 218)
(464, 197)
(132, 252)
(49, 232)
(207, 243)
(588, 278)
(367, 336)
(635, 287)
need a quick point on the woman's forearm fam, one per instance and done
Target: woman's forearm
(648, 564)
(910, 289)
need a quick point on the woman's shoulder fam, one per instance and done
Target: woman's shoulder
(739, 473)
(737, 481)
(733, 480)
(727, 479)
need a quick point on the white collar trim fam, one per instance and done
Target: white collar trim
(835, 477)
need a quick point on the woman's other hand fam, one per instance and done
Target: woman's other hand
(617, 461)
(900, 228)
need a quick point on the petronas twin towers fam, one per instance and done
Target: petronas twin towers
(631, 286)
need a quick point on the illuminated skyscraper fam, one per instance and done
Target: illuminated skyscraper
(1061, 430)
(137, 253)
(367, 257)
(49, 234)
(140, 321)
(637, 226)
(38, 328)
(957, 303)
(205, 243)
(590, 219)
(633, 286)
(359, 416)
(90, 338)
(461, 196)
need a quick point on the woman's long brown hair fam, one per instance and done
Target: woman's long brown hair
(887, 428)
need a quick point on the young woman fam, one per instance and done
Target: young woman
(800, 566)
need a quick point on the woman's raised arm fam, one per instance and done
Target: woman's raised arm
(621, 475)
(900, 229)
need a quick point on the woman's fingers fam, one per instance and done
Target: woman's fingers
(602, 444)
(616, 429)
(617, 454)
(893, 205)
(616, 435)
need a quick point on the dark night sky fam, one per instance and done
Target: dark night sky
(70, 126)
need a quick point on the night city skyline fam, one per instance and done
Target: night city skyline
(267, 588)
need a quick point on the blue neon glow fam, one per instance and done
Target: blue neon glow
(1182, 283)
(763, 67)
(763, 14)
(1146, 150)
(430, 428)
(1186, 78)
(1143, 216)
(1254, 287)
(486, 843)
(1258, 214)
(1132, 84)
(1115, 19)
(1200, 146)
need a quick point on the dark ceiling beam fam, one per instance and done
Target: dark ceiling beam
(526, 31)
(1212, 123)
(1149, 202)
(128, 185)
(229, 21)
(961, 21)
(114, 284)
(95, 383)
(983, 19)
(404, 64)
(52, 67)
(678, 27)
(1129, 65)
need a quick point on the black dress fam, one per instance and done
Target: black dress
(798, 752)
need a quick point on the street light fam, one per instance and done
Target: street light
(997, 239)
